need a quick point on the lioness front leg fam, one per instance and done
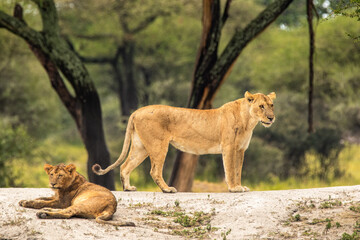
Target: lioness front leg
(233, 167)
(239, 161)
(41, 203)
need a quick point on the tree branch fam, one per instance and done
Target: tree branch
(103, 60)
(49, 16)
(95, 37)
(55, 78)
(147, 21)
(58, 84)
(19, 28)
(207, 53)
(241, 38)
(96, 60)
(226, 13)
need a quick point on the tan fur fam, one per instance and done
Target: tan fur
(74, 196)
(226, 130)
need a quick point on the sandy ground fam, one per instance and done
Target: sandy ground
(323, 213)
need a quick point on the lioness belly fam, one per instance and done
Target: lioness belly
(197, 149)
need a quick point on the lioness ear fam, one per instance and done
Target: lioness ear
(48, 168)
(249, 97)
(71, 168)
(272, 95)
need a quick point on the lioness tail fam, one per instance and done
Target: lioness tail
(97, 168)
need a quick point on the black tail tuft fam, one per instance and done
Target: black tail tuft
(96, 168)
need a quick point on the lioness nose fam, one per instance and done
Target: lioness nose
(270, 118)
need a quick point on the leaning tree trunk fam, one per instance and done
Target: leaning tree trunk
(211, 70)
(55, 55)
(185, 164)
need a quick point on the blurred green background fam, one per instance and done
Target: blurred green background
(35, 128)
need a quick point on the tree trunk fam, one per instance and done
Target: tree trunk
(130, 90)
(118, 79)
(55, 55)
(185, 165)
(182, 176)
(93, 136)
(309, 10)
(211, 70)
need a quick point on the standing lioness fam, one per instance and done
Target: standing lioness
(226, 130)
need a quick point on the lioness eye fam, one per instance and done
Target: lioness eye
(60, 175)
(261, 106)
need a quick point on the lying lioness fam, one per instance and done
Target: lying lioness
(74, 196)
(226, 130)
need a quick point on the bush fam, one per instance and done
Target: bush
(15, 143)
(262, 161)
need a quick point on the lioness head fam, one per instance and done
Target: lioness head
(60, 176)
(261, 107)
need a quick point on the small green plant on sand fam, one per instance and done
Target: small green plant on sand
(330, 204)
(355, 208)
(224, 234)
(190, 225)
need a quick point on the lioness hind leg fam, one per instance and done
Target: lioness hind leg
(157, 164)
(63, 213)
(105, 216)
(136, 156)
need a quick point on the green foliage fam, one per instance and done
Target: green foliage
(355, 208)
(25, 92)
(198, 218)
(330, 204)
(225, 234)
(262, 161)
(15, 144)
(349, 166)
(282, 156)
(177, 203)
(296, 218)
(277, 61)
(328, 226)
(355, 235)
(349, 8)
(190, 225)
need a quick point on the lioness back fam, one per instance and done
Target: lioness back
(190, 130)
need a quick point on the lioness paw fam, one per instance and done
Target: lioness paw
(24, 203)
(239, 189)
(169, 190)
(130, 189)
(42, 214)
